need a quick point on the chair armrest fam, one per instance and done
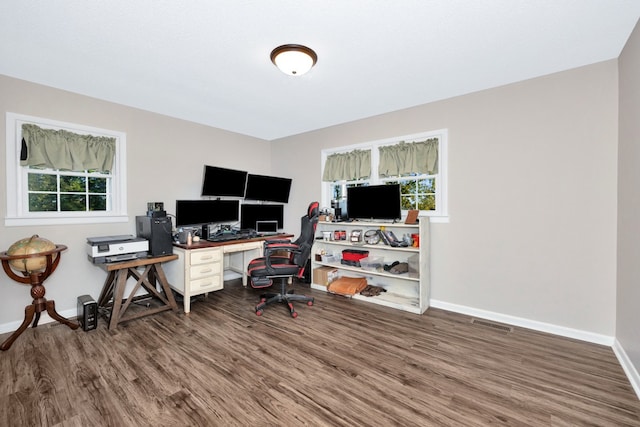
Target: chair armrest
(270, 242)
(284, 246)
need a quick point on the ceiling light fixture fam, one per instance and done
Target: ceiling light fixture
(293, 59)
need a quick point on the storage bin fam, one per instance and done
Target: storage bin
(330, 258)
(372, 263)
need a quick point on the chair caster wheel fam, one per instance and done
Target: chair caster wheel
(294, 314)
(309, 303)
(259, 312)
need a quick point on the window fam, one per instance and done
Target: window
(45, 187)
(417, 162)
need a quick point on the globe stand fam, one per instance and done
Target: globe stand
(36, 280)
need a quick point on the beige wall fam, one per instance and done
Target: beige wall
(628, 296)
(532, 190)
(165, 158)
(532, 195)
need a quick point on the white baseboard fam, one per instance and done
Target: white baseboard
(44, 319)
(526, 323)
(627, 366)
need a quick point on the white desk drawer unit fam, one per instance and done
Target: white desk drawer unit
(205, 256)
(195, 272)
(204, 270)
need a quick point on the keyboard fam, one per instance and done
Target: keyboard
(230, 236)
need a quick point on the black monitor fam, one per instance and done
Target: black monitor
(374, 202)
(197, 212)
(268, 188)
(250, 214)
(217, 181)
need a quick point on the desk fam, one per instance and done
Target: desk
(200, 268)
(115, 284)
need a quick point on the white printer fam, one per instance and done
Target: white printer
(101, 250)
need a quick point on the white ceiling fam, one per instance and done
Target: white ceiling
(207, 61)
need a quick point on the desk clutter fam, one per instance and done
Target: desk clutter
(372, 237)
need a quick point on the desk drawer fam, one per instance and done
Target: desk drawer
(204, 270)
(205, 256)
(206, 284)
(239, 247)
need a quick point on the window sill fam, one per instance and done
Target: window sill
(17, 222)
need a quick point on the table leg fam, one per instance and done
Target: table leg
(51, 311)
(164, 284)
(118, 295)
(107, 289)
(29, 311)
(244, 268)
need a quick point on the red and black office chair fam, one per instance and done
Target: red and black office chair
(283, 260)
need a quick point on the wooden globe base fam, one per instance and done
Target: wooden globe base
(36, 280)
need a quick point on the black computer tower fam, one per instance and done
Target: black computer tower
(158, 232)
(87, 312)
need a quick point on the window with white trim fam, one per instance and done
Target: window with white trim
(422, 177)
(63, 173)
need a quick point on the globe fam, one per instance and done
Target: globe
(28, 246)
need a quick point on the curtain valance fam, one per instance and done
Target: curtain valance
(406, 158)
(349, 166)
(60, 149)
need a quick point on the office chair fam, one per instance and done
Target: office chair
(284, 259)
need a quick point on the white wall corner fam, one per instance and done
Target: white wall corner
(627, 366)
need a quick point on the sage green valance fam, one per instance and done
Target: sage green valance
(349, 166)
(407, 158)
(60, 149)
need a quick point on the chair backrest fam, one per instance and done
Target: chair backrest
(308, 225)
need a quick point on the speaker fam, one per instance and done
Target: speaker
(87, 312)
(158, 232)
(204, 235)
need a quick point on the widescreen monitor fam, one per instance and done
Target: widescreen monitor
(374, 202)
(197, 212)
(217, 181)
(268, 188)
(250, 214)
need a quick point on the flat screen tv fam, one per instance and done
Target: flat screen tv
(217, 181)
(198, 212)
(268, 188)
(250, 214)
(374, 202)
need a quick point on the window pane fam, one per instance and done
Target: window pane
(97, 185)
(407, 187)
(97, 203)
(72, 184)
(73, 202)
(427, 185)
(39, 202)
(427, 203)
(408, 202)
(42, 182)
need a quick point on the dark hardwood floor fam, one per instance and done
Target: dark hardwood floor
(340, 363)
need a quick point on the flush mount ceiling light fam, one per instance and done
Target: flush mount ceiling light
(293, 59)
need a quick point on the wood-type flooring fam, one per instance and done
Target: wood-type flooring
(340, 363)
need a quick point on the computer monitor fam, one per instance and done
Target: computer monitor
(217, 181)
(197, 212)
(250, 214)
(268, 188)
